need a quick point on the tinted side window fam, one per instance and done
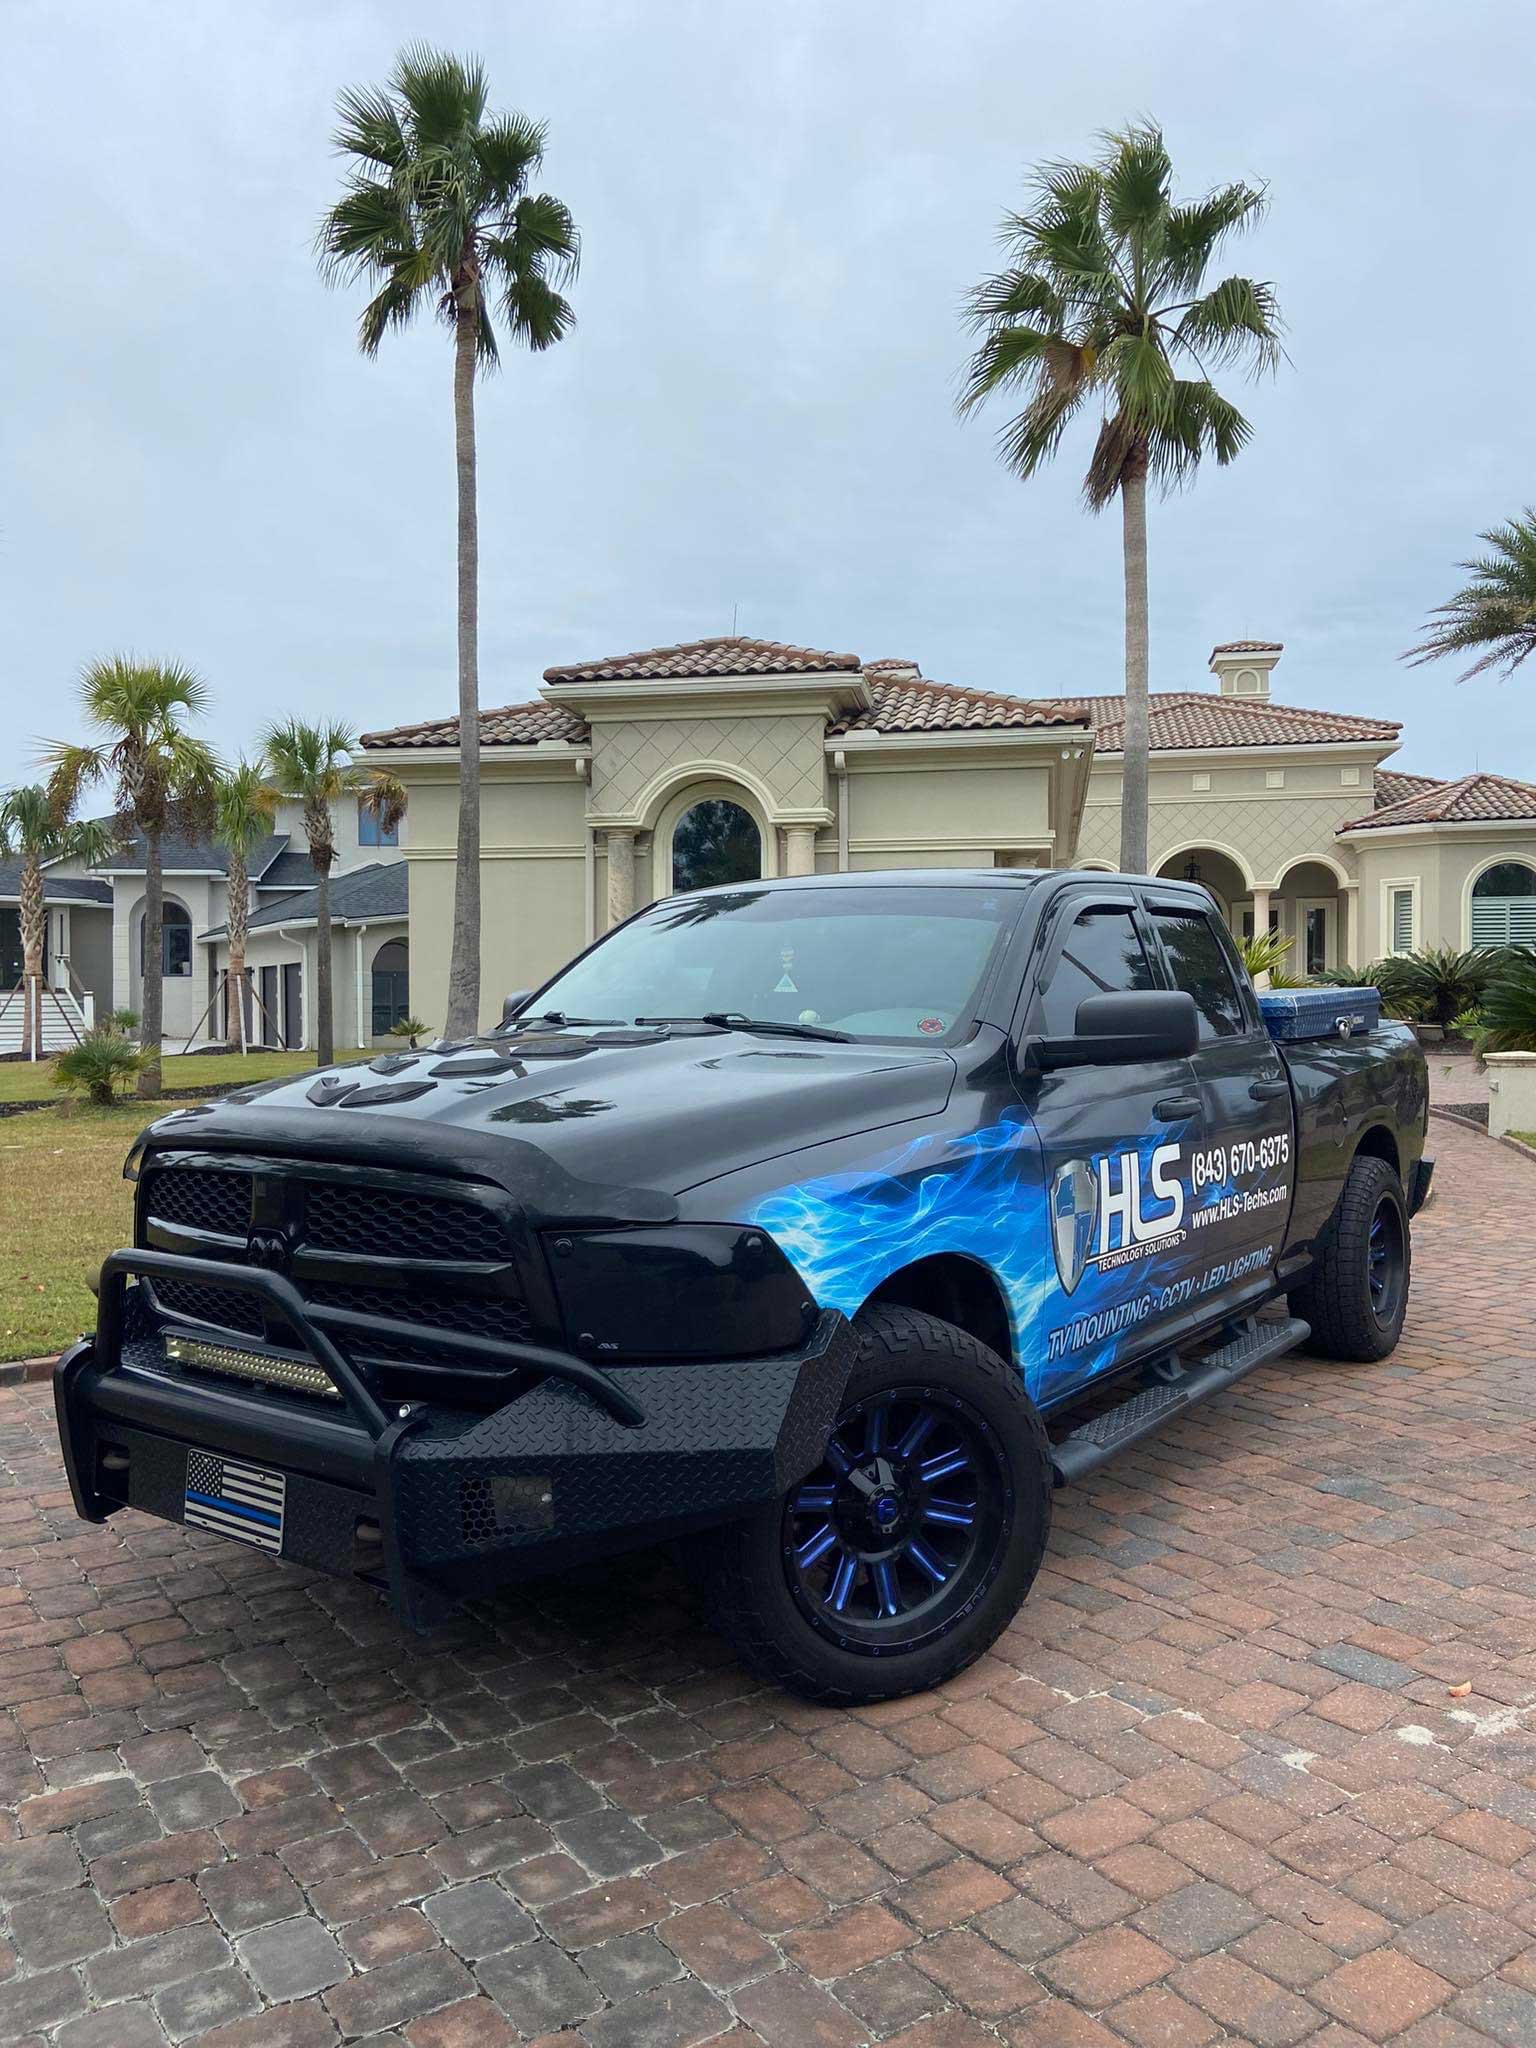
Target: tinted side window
(1200, 968)
(1102, 953)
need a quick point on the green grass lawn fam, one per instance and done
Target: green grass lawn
(22, 1081)
(63, 1206)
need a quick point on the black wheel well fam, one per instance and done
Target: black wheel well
(1378, 1143)
(958, 1290)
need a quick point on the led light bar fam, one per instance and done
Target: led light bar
(251, 1365)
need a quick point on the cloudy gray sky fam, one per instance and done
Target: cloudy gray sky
(781, 207)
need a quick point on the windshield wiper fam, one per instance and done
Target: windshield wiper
(735, 1020)
(558, 1017)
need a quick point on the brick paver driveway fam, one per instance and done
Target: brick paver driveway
(1220, 1781)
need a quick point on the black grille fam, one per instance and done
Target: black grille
(384, 1225)
(475, 1316)
(201, 1200)
(219, 1305)
(344, 1218)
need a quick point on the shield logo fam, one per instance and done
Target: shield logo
(1074, 1211)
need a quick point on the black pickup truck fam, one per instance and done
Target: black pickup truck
(826, 1224)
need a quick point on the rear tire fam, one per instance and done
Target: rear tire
(1356, 1295)
(906, 1553)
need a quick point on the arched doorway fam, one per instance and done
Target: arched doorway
(715, 840)
(391, 987)
(1504, 905)
(1214, 870)
(1310, 906)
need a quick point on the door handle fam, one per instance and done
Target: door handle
(1174, 1108)
(1268, 1091)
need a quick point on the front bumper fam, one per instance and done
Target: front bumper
(430, 1501)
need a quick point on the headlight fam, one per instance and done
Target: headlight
(687, 1290)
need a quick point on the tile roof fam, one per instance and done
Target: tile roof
(1469, 800)
(1249, 647)
(513, 725)
(377, 893)
(914, 704)
(1393, 785)
(1201, 718)
(729, 654)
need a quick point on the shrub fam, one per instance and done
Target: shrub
(100, 1067)
(1438, 984)
(1509, 1007)
(409, 1028)
(1264, 953)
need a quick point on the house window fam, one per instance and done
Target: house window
(391, 987)
(371, 832)
(1504, 905)
(1400, 916)
(175, 940)
(715, 841)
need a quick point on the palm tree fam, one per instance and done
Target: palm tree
(1106, 297)
(163, 780)
(313, 763)
(246, 804)
(1494, 617)
(437, 211)
(32, 832)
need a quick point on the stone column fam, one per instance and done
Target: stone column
(1260, 911)
(799, 849)
(1349, 918)
(621, 875)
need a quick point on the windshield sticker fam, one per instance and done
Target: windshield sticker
(934, 1026)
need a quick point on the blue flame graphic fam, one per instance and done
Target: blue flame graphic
(981, 1195)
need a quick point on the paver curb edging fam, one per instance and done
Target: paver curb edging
(17, 1371)
(1467, 1123)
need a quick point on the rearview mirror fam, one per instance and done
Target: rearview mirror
(1122, 1027)
(510, 1005)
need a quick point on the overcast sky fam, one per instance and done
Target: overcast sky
(781, 207)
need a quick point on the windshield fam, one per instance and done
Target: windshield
(901, 963)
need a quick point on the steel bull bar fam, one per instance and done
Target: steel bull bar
(429, 1500)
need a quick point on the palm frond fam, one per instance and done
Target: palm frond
(1494, 615)
(537, 315)
(442, 95)
(369, 127)
(1236, 321)
(1196, 231)
(508, 149)
(1136, 180)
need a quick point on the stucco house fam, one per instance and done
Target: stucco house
(724, 759)
(95, 936)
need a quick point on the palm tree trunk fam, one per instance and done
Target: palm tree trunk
(463, 1016)
(1136, 746)
(152, 1011)
(31, 920)
(325, 1034)
(235, 921)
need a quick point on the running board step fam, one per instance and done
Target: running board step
(1118, 1428)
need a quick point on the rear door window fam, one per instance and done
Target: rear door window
(1198, 963)
(1102, 953)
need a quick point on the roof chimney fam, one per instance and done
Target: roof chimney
(893, 669)
(1241, 667)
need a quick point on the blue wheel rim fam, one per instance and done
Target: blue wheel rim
(1384, 1259)
(890, 1540)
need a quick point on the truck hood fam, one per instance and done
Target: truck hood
(613, 1110)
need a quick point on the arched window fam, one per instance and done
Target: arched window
(175, 939)
(391, 987)
(1504, 905)
(715, 841)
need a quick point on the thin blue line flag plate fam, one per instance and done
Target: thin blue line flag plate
(237, 1500)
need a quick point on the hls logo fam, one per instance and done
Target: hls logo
(1099, 1212)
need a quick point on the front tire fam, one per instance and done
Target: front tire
(1356, 1295)
(909, 1550)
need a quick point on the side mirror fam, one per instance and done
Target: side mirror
(1123, 1027)
(510, 1005)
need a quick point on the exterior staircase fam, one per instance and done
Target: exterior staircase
(65, 1021)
